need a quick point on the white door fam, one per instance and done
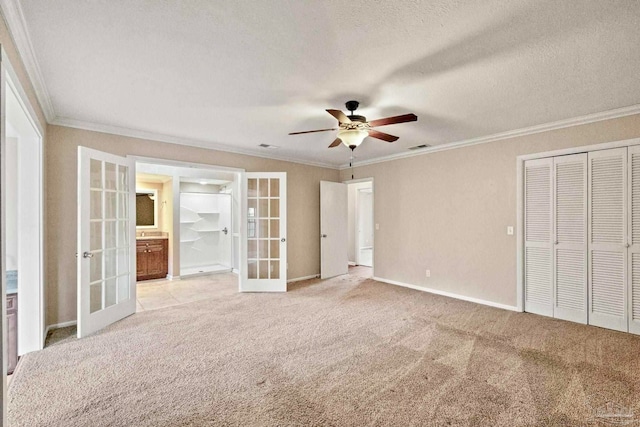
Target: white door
(334, 232)
(608, 239)
(106, 233)
(538, 220)
(570, 231)
(265, 218)
(634, 240)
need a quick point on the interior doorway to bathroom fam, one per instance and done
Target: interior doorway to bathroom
(23, 178)
(187, 226)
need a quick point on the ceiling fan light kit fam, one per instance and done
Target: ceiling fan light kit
(352, 137)
(353, 129)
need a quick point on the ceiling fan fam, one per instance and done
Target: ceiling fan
(353, 129)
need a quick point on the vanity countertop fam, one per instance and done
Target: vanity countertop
(151, 235)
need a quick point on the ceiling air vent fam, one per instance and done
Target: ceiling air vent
(272, 147)
(419, 147)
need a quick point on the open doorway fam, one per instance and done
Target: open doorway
(360, 227)
(187, 230)
(24, 236)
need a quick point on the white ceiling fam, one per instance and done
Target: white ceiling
(240, 73)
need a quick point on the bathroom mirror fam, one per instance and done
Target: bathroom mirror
(146, 208)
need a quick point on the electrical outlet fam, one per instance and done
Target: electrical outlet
(428, 273)
(377, 226)
(510, 231)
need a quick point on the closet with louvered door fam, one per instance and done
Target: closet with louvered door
(634, 240)
(538, 283)
(570, 235)
(608, 239)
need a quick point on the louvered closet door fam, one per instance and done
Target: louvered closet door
(570, 230)
(633, 288)
(608, 238)
(538, 227)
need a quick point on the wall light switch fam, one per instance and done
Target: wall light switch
(377, 226)
(510, 231)
(428, 273)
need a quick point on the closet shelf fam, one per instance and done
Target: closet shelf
(210, 230)
(188, 222)
(207, 213)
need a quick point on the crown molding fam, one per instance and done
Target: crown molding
(575, 121)
(13, 16)
(152, 136)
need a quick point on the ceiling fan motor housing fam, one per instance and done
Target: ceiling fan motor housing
(352, 105)
(357, 118)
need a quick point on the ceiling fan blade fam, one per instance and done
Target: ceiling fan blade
(342, 118)
(335, 143)
(312, 131)
(383, 136)
(393, 120)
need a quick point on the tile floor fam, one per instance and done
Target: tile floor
(155, 294)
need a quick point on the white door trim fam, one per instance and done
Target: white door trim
(32, 333)
(520, 199)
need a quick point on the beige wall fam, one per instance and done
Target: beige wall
(448, 211)
(303, 203)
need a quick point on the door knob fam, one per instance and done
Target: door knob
(283, 240)
(87, 255)
(225, 230)
(324, 236)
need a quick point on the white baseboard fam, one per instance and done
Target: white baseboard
(170, 277)
(299, 279)
(58, 326)
(449, 294)
(236, 271)
(353, 264)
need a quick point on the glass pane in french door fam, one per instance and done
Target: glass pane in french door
(109, 265)
(263, 228)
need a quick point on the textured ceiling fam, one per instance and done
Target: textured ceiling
(242, 73)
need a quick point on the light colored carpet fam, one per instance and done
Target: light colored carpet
(343, 352)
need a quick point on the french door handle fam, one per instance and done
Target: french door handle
(628, 245)
(283, 240)
(87, 255)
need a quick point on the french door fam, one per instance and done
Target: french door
(264, 214)
(106, 232)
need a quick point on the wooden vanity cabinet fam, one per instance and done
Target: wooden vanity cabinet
(152, 259)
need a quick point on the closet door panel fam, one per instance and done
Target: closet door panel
(608, 238)
(570, 230)
(538, 261)
(633, 287)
